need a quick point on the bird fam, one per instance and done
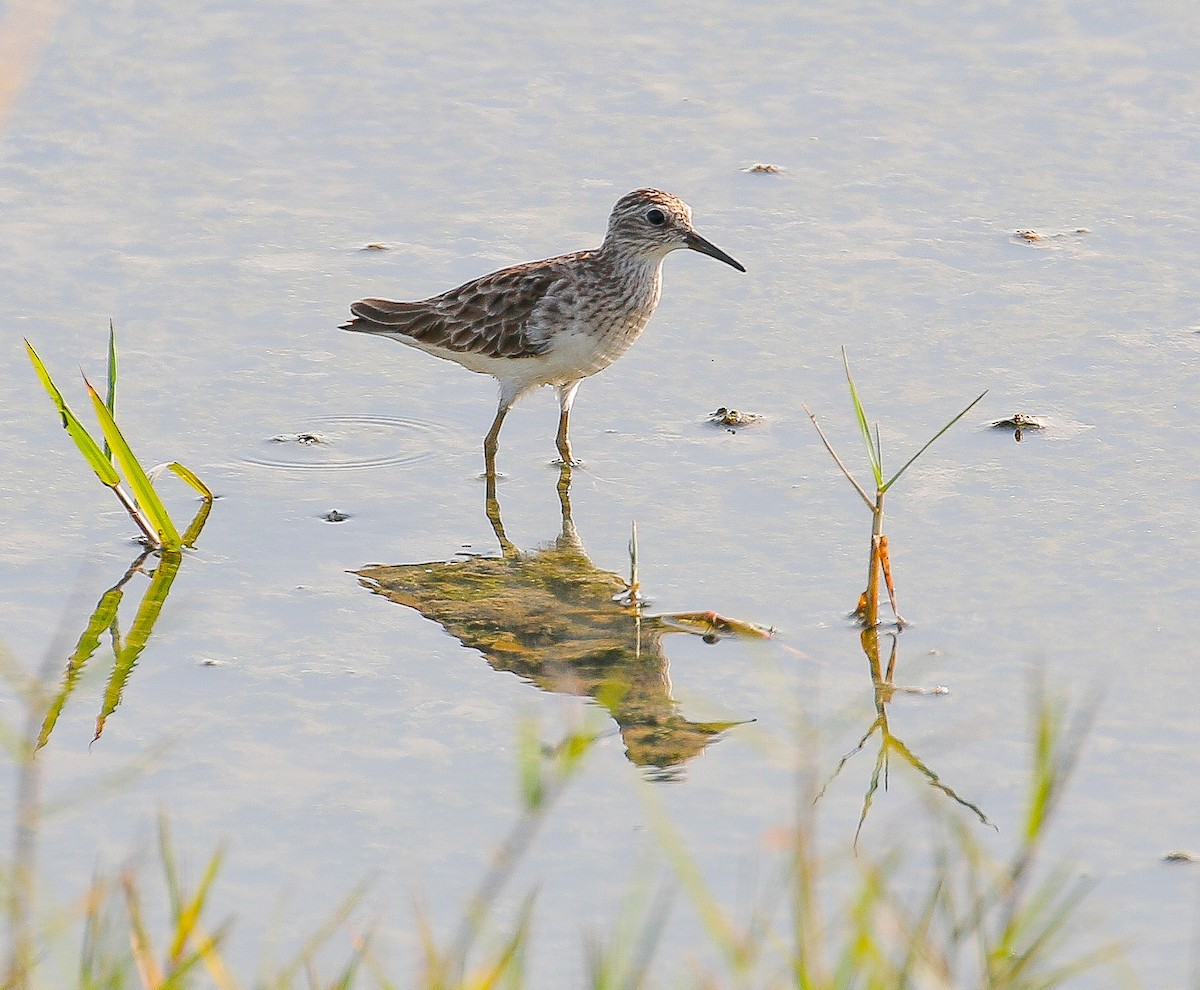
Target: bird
(553, 322)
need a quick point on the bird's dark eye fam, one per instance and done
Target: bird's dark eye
(657, 217)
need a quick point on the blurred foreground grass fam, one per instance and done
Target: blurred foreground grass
(978, 921)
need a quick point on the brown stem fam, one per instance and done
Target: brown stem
(870, 610)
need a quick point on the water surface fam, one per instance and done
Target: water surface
(208, 175)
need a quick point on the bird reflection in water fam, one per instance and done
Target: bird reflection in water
(555, 619)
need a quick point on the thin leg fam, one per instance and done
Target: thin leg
(510, 391)
(562, 441)
(491, 443)
(566, 396)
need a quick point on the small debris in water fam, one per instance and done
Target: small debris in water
(730, 418)
(935, 689)
(213, 662)
(376, 247)
(305, 438)
(1019, 420)
(1018, 423)
(1035, 236)
(761, 168)
(1180, 856)
(333, 515)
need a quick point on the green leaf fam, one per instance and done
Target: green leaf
(111, 399)
(860, 413)
(633, 555)
(930, 442)
(83, 440)
(183, 473)
(147, 498)
(188, 918)
(197, 524)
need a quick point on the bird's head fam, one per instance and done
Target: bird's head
(652, 222)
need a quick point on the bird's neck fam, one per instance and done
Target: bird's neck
(638, 265)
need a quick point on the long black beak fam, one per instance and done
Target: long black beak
(698, 243)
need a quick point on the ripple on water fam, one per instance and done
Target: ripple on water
(345, 442)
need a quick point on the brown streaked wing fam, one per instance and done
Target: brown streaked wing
(488, 316)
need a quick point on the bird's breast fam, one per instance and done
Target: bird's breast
(595, 324)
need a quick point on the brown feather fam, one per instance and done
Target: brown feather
(488, 315)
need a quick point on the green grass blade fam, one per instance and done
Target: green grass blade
(110, 399)
(864, 429)
(633, 563)
(83, 440)
(166, 855)
(347, 980)
(188, 918)
(931, 441)
(322, 936)
(187, 475)
(720, 930)
(147, 966)
(507, 964)
(147, 499)
(197, 524)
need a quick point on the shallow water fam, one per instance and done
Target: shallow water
(208, 175)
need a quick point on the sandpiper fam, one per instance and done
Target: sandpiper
(553, 322)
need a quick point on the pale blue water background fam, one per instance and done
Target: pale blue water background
(206, 175)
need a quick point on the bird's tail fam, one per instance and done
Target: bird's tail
(378, 316)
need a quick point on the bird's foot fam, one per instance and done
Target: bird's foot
(567, 462)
